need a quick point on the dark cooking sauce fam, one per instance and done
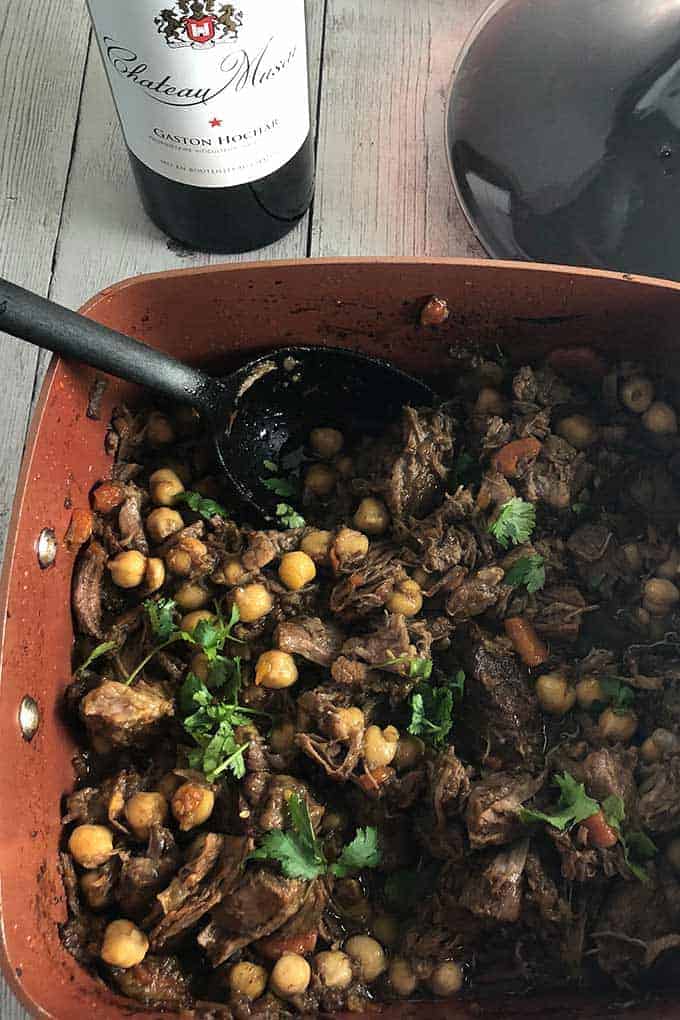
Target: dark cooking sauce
(422, 741)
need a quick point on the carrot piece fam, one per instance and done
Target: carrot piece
(601, 833)
(274, 946)
(108, 497)
(80, 528)
(526, 641)
(508, 458)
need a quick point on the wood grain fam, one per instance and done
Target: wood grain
(383, 186)
(42, 55)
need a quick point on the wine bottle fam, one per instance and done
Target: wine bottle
(213, 102)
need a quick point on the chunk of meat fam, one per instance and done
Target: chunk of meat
(338, 749)
(141, 878)
(450, 785)
(259, 905)
(499, 714)
(124, 716)
(418, 473)
(444, 539)
(265, 546)
(659, 803)
(202, 856)
(130, 525)
(368, 587)
(475, 595)
(610, 772)
(311, 638)
(86, 596)
(494, 890)
(492, 809)
(158, 981)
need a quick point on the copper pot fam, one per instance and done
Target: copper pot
(216, 316)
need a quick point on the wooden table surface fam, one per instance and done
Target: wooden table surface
(70, 219)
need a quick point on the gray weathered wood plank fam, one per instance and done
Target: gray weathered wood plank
(383, 185)
(41, 70)
(105, 234)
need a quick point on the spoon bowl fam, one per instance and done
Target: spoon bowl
(264, 411)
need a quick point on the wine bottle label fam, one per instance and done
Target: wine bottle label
(208, 93)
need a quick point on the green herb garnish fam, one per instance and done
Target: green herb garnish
(301, 855)
(529, 571)
(573, 806)
(279, 486)
(638, 848)
(289, 517)
(617, 694)
(515, 523)
(205, 507)
(161, 613)
(432, 710)
(417, 668)
(97, 653)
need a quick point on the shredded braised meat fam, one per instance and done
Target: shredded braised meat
(423, 742)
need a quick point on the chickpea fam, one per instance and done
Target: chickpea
(231, 572)
(296, 570)
(124, 945)
(660, 419)
(326, 443)
(96, 888)
(446, 979)
(253, 602)
(91, 845)
(578, 430)
(406, 598)
(349, 721)
(200, 666)
(659, 596)
(334, 968)
(162, 523)
(282, 738)
(144, 810)
(402, 977)
(380, 746)
(191, 596)
(248, 980)
(660, 742)
(350, 544)
(159, 430)
(670, 568)
(190, 622)
(650, 752)
(169, 785)
(320, 480)
(165, 486)
(128, 569)
(617, 726)
(345, 467)
(489, 401)
(192, 805)
(154, 575)
(316, 545)
(369, 954)
(184, 556)
(372, 516)
(410, 750)
(673, 854)
(633, 556)
(386, 929)
(637, 393)
(588, 691)
(290, 976)
(276, 670)
(555, 694)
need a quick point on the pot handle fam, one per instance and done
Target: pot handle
(27, 316)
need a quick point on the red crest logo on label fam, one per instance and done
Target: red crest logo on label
(201, 24)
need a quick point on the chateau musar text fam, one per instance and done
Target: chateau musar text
(213, 101)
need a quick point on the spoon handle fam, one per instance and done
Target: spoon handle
(28, 316)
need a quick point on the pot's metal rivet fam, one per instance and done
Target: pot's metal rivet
(47, 547)
(29, 717)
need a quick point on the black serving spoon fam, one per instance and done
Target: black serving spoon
(261, 414)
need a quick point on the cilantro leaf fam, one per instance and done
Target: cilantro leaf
(289, 517)
(279, 486)
(417, 668)
(637, 846)
(529, 571)
(201, 505)
(458, 684)
(362, 852)
(270, 465)
(212, 635)
(103, 649)
(161, 613)
(617, 693)
(515, 523)
(297, 850)
(432, 709)
(573, 806)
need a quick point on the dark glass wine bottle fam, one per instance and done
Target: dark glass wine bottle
(213, 102)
